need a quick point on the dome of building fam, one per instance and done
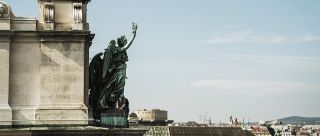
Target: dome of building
(133, 115)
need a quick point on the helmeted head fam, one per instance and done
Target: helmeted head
(122, 41)
(112, 43)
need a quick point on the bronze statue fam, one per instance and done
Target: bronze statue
(107, 75)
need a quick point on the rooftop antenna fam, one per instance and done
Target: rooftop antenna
(200, 118)
(243, 119)
(205, 118)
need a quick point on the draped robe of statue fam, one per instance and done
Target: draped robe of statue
(114, 75)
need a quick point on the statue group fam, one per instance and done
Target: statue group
(107, 77)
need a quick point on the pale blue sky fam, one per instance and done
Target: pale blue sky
(257, 59)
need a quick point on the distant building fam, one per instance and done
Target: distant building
(154, 114)
(284, 129)
(260, 130)
(194, 131)
(317, 133)
(154, 117)
(317, 127)
(310, 130)
(185, 124)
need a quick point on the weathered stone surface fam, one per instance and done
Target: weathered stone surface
(62, 83)
(43, 66)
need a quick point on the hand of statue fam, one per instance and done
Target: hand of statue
(134, 28)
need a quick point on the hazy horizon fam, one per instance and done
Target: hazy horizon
(254, 59)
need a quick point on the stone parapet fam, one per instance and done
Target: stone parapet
(71, 131)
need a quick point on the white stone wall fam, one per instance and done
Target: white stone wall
(154, 114)
(44, 67)
(62, 82)
(47, 78)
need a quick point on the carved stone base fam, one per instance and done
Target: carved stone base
(77, 26)
(23, 115)
(48, 26)
(5, 115)
(62, 115)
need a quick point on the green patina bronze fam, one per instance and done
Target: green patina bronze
(113, 118)
(107, 78)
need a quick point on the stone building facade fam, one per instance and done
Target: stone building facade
(43, 64)
(154, 114)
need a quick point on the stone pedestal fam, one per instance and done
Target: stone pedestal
(113, 118)
(44, 65)
(48, 26)
(47, 78)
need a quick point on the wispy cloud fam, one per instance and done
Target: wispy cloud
(297, 62)
(230, 37)
(255, 85)
(248, 36)
(276, 57)
(309, 38)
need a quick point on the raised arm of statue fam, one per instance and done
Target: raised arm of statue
(134, 32)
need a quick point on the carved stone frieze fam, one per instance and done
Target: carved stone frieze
(48, 12)
(77, 12)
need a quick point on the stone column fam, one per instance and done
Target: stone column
(5, 109)
(24, 77)
(5, 34)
